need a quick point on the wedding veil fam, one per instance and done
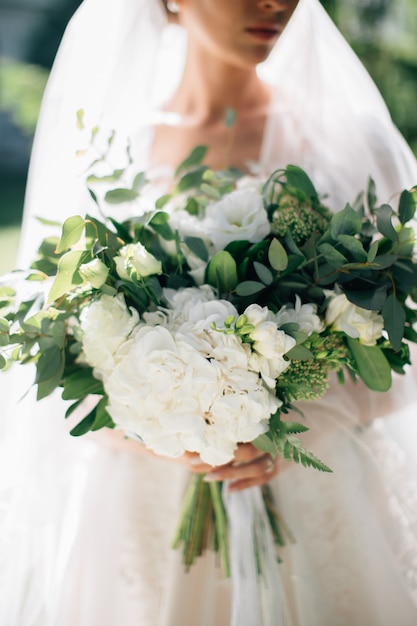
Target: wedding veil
(118, 61)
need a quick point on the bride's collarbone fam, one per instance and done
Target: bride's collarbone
(236, 145)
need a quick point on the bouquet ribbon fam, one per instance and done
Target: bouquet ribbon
(256, 579)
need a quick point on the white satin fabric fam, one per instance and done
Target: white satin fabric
(85, 525)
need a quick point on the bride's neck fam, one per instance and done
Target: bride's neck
(209, 87)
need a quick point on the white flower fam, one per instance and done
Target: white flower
(269, 344)
(305, 315)
(94, 273)
(353, 320)
(106, 324)
(238, 216)
(134, 258)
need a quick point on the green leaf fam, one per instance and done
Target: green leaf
(354, 246)
(373, 251)
(296, 177)
(120, 195)
(294, 428)
(372, 365)
(102, 417)
(382, 261)
(80, 384)
(394, 320)
(197, 247)
(59, 334)
(48, 364)
(139, 181)
(109, 178)
(265, 443)
(300, 353)
(67, 267)
(277, 256)
(264, 274)
(210, 191)
(332, 256)
(191, 179)
(346, 222)
(161, 202)
(84, 426)
(249, 288)
(222, 272)
(384, 224)
(195, 158)
(71, 233)
(371, 299)
(407, 207)
(371, 195)
(160, 224)
(3, 362)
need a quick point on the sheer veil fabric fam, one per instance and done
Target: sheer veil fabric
(85, 526)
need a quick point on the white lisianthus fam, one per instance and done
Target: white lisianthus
(106, 324)
(94, 273)
(197, 304)
(134, 258)
(269, 343)
(238, 216)
(305, 315)
(353, 320)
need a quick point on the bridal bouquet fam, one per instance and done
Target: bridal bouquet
(201, 320)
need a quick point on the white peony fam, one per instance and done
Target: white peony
(305, 315)
(238, 216)
(106, 324)
(353, 320)
(135, 258)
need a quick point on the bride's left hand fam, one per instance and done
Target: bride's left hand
(249, 468)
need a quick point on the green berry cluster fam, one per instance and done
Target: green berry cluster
(298, 217)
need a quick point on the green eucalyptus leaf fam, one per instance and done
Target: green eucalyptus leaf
(222, 272)
(394, 320)
(71, 233)
(249, 288)
(354, 246)
(277, 256)
(191, 179)
(371, 195)
(85, 425)
(102, 418)
(139, 181)
(297, 177)
(346, 222)
(160, 224)
(59, 334)
(210, 191)
(373, 251)
(120, 195)
(264, 274)
(109, 178)
(300, 353)
(3, 362)
(382, 261)
(197, 247)
(195, 158)
(371, 299)
(407, 207)
(372, 365)
(332, 256)
(161, 202)
(384, 223)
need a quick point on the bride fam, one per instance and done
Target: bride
(86, 525)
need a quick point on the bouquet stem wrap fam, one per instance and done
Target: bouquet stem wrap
(256, 580)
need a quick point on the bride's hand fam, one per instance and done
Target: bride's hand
(250, 467)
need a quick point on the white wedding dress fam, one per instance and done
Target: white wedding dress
(86, 524)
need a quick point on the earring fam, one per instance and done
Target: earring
(173, 7)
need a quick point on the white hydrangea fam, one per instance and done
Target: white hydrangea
(353, 320)
(305, 315)
(106, 324)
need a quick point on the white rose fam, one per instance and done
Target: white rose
(106, 324)
(94, 273)
(305, 315)
(355, 321)
(134, 258)
(238, 216)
